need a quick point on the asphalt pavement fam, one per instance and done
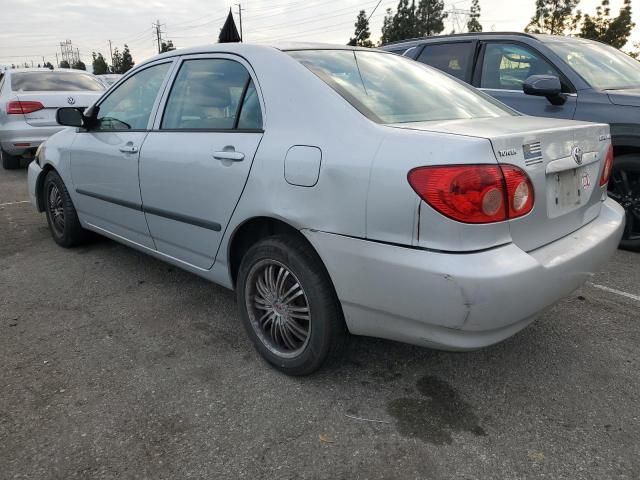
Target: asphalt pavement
(114, 365)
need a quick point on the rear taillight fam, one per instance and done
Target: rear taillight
(474, 193)
(23, 107)
(608, 166)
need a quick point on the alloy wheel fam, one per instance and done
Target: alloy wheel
(55, 206)
(278, 308)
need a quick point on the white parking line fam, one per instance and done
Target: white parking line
(617, 292)
(13, 203)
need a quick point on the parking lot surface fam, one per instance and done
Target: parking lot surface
(116, 365)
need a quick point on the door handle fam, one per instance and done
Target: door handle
(229, 155)
(129, 148)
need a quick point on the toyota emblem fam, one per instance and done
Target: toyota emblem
(577, 153)
(71, 100)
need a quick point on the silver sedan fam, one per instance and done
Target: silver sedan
(29, 99)
(336, 190)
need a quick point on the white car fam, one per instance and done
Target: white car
(335, 189)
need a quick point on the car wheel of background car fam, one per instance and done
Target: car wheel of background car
(61, 214)
(288, 305)
(9, 162)
(624, 188)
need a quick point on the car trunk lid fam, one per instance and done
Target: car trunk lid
(46, 117)
(567, 193)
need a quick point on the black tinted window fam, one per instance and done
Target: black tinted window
(129, 105)
(54, 81)
(206, 95)
(452, 58)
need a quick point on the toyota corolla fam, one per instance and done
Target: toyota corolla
(336, 190)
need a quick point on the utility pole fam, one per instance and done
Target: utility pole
(158, 27)
(111, 53)
(57, 62)
(240, 18)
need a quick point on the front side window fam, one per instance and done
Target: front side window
(129, 106)
(452, 58)
(54, 82)
(212, 94)
(603, 67)
(506, 66)
(392, 89)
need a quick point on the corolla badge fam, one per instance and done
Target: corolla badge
(576, 153)
(71, 100)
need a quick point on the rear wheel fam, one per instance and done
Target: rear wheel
(9, 162)
(624, 188)
(288, 305)
(61, 214)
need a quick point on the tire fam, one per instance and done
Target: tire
(295, 332)
(9, 162)
(61, 214)
(624, 188)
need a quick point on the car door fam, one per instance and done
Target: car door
(503, 68)
(104, 158)
(195, 163)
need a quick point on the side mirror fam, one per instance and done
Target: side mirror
(545, 86)
(70, 117)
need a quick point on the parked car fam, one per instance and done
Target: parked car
(108, 79)
(553, 76)
(336, 189)
(29, 99)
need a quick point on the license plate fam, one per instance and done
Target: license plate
(568, 190)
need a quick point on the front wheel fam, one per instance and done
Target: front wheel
(61, 214)
(288, 305)
(624, 188)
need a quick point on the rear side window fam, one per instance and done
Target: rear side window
(506, 66)
(212, 94)
(54, 81)
(452, 58)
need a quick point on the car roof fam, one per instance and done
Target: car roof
(254, 48)
(544, 38)
(36, 70)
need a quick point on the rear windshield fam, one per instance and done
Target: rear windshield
(54, 81)
(392, 89)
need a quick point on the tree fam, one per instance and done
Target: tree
(79, 65)
(48, 65)
(122, 62)
(387, 27)
(410, 21)
(430, 17)
(601, 27)
(99, 65)
(64, 64)
(554, 17)
(362, 34)
(127, 60)
(473, 25)
(167, 46)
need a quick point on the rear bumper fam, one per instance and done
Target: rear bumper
(22, 133)
(460, 301)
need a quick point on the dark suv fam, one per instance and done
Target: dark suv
(553, 76)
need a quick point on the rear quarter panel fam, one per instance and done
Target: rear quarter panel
(396, 214)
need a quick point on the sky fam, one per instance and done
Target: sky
(33, 29)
